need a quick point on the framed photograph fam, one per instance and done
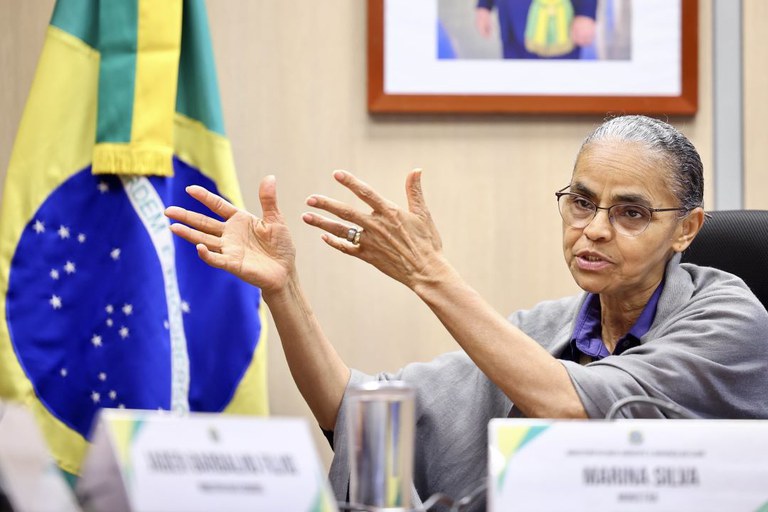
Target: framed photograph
(533, 56)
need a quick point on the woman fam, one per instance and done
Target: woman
(645, 325)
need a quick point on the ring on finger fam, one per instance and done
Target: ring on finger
(353, 235)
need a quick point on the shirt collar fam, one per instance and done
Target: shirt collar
(645, 320)
(587, 336)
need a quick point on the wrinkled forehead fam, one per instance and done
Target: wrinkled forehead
(622, 171)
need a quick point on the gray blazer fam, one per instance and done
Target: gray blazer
(707, 351)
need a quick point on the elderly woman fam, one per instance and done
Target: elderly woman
(645, 324)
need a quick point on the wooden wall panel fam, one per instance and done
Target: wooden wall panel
(755, 71)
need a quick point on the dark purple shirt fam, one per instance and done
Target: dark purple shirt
(587, 336)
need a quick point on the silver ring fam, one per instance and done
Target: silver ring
(353, 235)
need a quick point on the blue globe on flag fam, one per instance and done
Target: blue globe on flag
(117, 348)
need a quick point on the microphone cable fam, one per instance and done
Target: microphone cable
(664, 405)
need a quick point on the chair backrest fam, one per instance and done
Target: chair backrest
(735, 241)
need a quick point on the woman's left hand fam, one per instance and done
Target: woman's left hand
(404, 244)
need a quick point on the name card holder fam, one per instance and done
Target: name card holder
(29, 478)
(142, 460)
(637, 465)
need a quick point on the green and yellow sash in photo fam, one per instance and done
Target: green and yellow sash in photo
(548, 28)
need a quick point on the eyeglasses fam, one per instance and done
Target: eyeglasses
(628, 219)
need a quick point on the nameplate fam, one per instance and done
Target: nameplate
(162, 462)
(637, 465)
(29, 478)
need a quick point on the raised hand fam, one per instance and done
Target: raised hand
(404, 244)
(259, 251)
(583, 30)
(483, 22)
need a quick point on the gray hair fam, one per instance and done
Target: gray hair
(682, 159)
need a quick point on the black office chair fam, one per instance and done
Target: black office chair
(735, 241)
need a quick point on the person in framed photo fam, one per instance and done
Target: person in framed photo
(540, 29)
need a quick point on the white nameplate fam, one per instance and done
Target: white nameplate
(157, 461)
(29, 477)
(633, 465)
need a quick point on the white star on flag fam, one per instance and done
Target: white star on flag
(81, 238)
(113, 394)
(96, 397)
(115, 254)
(55, 301)
(63, 372)
(54, 273)
(109, 322)
(103, 187)
(63, 232)
(102, 376)
(124, 332)
(39, 227)
(96, 340)
(127, 309)
(69, 268)
(109, 309)
(185, 306)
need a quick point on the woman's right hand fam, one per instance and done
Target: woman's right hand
(259, 251)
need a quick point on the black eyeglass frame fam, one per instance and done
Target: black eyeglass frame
(560, 194)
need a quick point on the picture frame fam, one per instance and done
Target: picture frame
(407, 75)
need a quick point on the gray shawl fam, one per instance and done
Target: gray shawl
(707, 351)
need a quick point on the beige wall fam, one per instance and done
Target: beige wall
(293, 84)
(755, 47)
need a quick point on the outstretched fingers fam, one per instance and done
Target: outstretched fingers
(268, 199)
(210, 257)
(213, 202)
(341, 244)
(195, 220)
(193, 236)
(337, 208)
(414, 193)
(331, 226)
(197, 228)
(362, 190)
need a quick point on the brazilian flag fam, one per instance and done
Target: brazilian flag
(100, 307)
